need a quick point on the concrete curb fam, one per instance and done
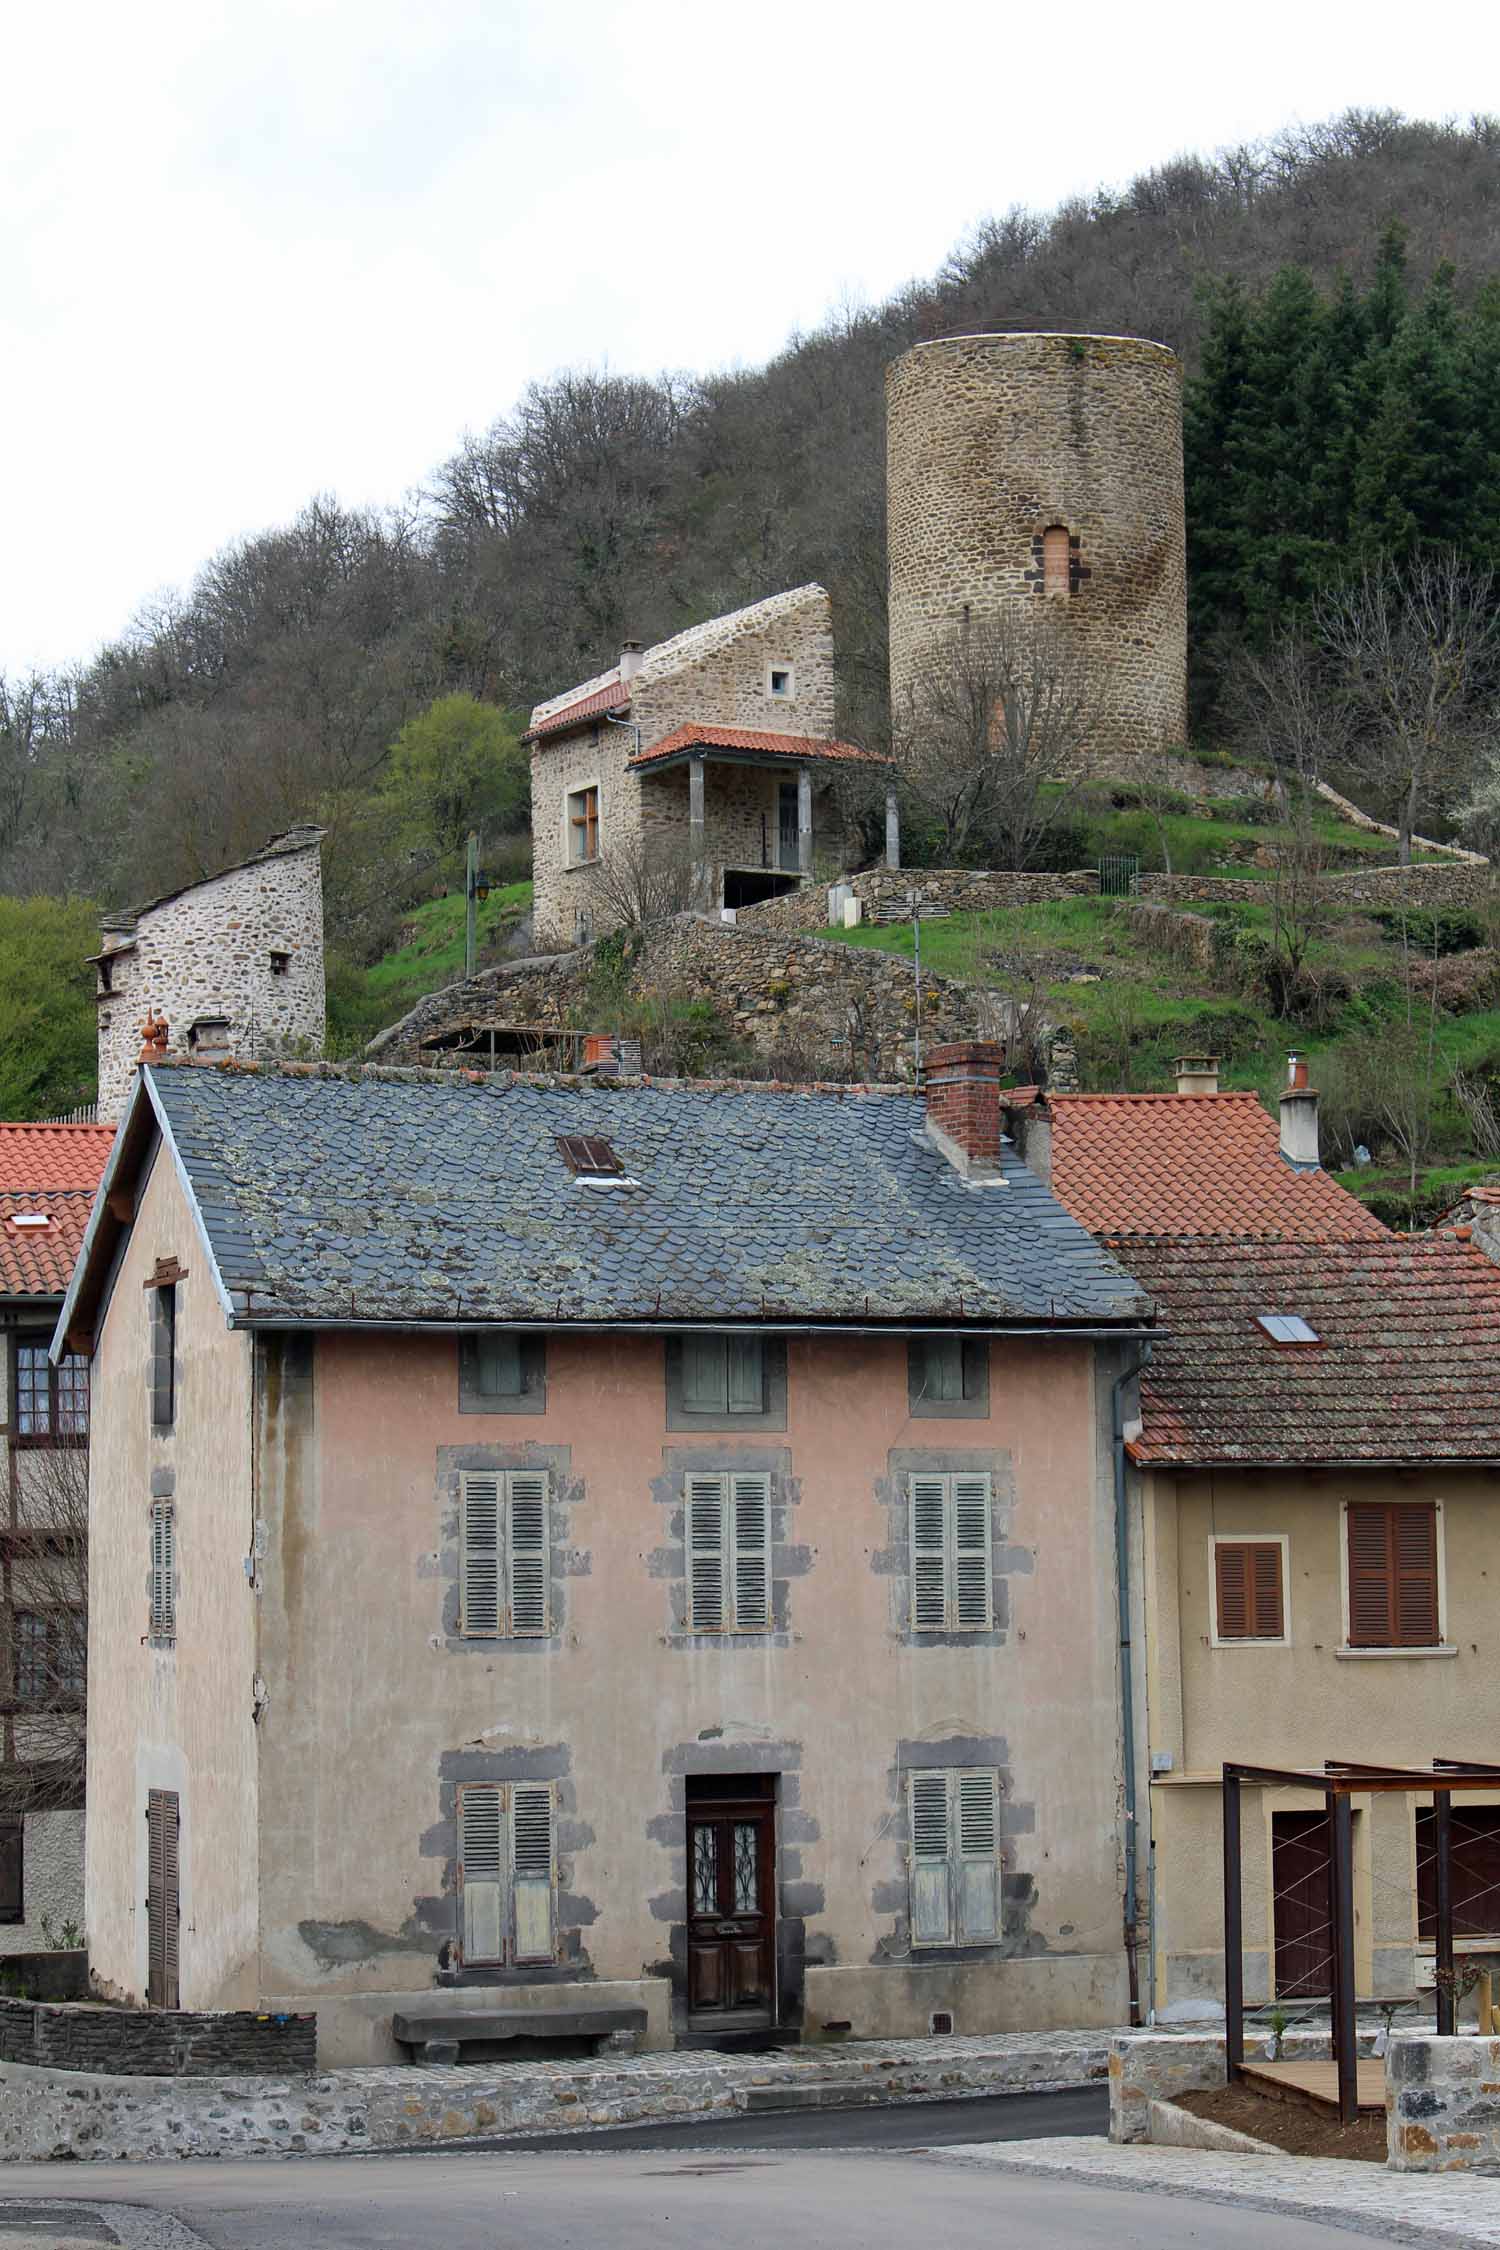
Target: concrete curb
(1174, 2127)
(1447, 2213)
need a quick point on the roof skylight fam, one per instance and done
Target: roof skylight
(1287, 1328)
(30, 1219)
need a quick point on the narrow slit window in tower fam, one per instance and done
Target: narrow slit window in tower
(1057, 577)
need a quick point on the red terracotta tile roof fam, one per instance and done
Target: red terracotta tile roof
(1407, 1367)
(756, 739)
(613, 696)
(48, 1171)
(1196, 1164)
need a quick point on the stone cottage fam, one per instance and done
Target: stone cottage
(498, 1483)
(48, 1177)
(234, 964)
(715, 749)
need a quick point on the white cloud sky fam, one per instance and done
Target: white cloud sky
(255, 249)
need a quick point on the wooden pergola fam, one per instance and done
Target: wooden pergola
(1338, 1782)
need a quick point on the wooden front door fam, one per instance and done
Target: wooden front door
(731, 1908)
(1302, 1919)
(161, 1898)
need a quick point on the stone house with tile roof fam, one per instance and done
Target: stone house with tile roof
(497, 1483)
(48, 1176)
(1313, 1460)
(715, 747)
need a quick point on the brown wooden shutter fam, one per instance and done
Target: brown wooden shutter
(1247, 1586)
(1231, 1570)
(1414, 1575)
(162, 1900)
(12, 1870)
(1370, 1620)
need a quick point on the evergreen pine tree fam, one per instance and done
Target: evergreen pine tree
(1412, 486)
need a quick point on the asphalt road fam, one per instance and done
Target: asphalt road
(734, 2186)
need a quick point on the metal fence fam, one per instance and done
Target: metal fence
(1119, 875)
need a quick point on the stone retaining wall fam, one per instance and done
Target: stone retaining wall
(149, 2043)
(1154, 2066)
(813, 1006)
(50, 2114)
(1442, 2103)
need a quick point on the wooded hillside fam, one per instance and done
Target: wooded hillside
(1356, 402)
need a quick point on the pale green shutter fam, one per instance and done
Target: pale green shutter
(705, 1539)
(927, 1499)
(704, 1375)
(163, 1624)
(750, 1531)
(931, 1922)
(945, 1368)
(531, 1865)
(745, 1382)
(977, 1866)
(481, 1871)
(526, 1526)
(498, 1358)
(970, 1601)
(479, 1552)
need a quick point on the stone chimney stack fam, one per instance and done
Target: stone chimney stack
(1299, 1118)
(1197, 1074)
(962, 1085)
(630, 662)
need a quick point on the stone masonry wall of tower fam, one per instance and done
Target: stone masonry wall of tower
(992, 442)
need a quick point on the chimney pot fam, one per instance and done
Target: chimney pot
(1197, 1074)
(962, 1086)
(1299, 1119)
(630, 662)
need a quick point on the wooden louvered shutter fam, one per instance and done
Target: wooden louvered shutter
(745, 1381)
(163, 1623)
(971, 1601)
(978, 1866)
(526, 1541)
(929, 1553)
(750, 1530)
(1414, 1575)
(162, 1901)
(531, 1869)
(1232, 1589)
(1267, 1619)
(931, 1920)
(705, 1534)
(1370, 1607)
(479, 1552)
(481, 1871)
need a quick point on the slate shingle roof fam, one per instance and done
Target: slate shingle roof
(52, 1170)
(1408, 1367)
(335, 1196)
(1203, 1164)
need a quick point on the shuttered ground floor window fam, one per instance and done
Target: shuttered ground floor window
(955, 1856)
(12, 1869)
(507, 1893)
(1393, 1574)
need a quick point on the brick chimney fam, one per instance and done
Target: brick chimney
(630, 662)
(1299, 1118)
(962, 1085)
(1197, 1074)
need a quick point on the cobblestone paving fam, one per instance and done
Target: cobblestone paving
(1391, 2206)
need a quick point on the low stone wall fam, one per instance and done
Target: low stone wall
(1155, 2066)
(1442, 2103)
(86, 2036)
(47, 2114)
(1429, 883)
(51, 1975)
(884, 894)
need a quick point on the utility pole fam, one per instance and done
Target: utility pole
(475, 888)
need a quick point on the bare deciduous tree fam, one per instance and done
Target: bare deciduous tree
(640, 880)
(46, 1623)
(990, 746)
(1415, 651)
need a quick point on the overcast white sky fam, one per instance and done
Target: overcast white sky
(254, 249)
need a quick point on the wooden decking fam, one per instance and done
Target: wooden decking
(1316, 2083)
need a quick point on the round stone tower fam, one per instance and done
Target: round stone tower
(1029, 469)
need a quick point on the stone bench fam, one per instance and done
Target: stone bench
(440, 2037)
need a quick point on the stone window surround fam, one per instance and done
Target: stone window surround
(788, 694)
(580, 788)
(532, 1396)
(671, 1562)
(565, 1492)
(976, 1367)
(893, 1492)
(772, 1416)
